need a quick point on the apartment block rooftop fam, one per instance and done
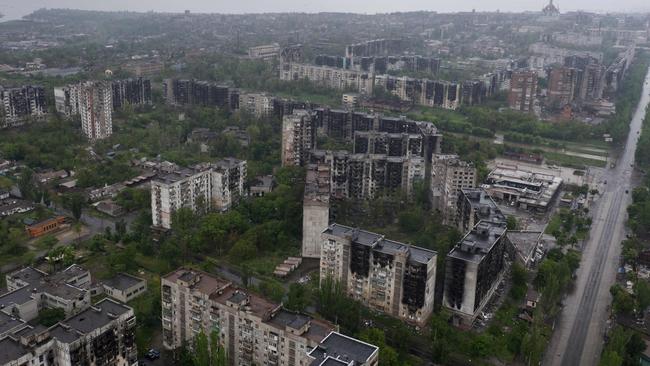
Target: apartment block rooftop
(123, 281)
(380, 244)
(484, 206)
(95, 317)
(479, 241)
(19, 341)
(225, 293)
(338, 349)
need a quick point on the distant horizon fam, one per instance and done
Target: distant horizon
(13, 11)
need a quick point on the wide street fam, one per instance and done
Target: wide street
(578, 336)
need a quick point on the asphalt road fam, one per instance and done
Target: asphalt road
(578, 336)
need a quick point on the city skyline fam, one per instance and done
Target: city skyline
(18, 10)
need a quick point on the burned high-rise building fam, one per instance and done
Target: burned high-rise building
(131, 92)
(474, 205)
(473, 92)
(475, 266)
(385, 275)
(22, 103)
(473, 270)
(590, 77)
(365, 176)
(562, 82)
(298, 137)
(375, 47)
(179, 92)
(523, 90)
(449, 175)
(431, 93)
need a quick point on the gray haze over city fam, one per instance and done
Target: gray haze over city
(14, 9)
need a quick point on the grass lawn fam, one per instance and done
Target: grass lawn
(147, 311)
(554, 225)
(571, 161)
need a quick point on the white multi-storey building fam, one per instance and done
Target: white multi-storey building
(252, 329)
(214, 186)
(96, 108)
(392, 277)
(298, 137)
(449, 175)
(257, 104)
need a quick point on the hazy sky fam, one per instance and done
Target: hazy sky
(17, 8)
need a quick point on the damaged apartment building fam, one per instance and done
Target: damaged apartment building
(315, 208)
(389, 154)
(449, 175)
(100, 334)
(382, 64)
(252, 329)
(208, 186)
(476, 264)
(182, 92)
(298, 137)
(20, 104)
(385, 275)
(367, 69)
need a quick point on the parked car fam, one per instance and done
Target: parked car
(152, 354)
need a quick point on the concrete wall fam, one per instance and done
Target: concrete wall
(315, 219)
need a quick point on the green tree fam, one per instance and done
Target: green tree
(201, 350)
(512, 223)
(61, 257)
(218, 355)
(298, 297)
(26, 184)
(441, 336)
(76, 202)
(272, 290)
(50, 316)
(387, 355)
(243, 250)
(642, 291)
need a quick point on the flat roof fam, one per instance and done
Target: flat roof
(17, 297)
(28, 274)
(484, 206)
(379, 244)
(344, 348)
(63, 333)
(97, 316)
(205, 282)
(123, 281)
(11, 350)
(479, 241)
(525, 242)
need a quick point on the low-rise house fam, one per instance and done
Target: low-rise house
(46, 226)
(238, 134)
(11, 206)
(105, 192)
(532, 298)
(109, 207)
(30, 290)
(125, 287)
(261, 185)
(49, 176)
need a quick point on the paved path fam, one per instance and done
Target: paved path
(578, 337)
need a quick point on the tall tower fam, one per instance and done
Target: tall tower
(95, 108)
